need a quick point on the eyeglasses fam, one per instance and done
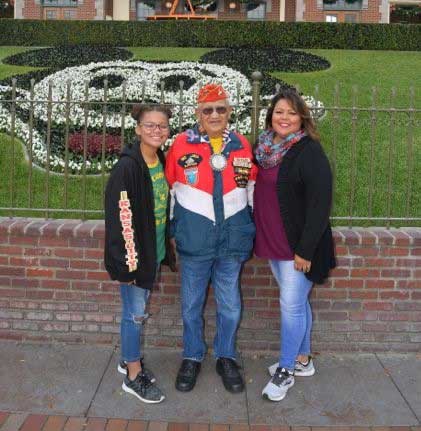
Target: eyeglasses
(150, 127)
(219, 110)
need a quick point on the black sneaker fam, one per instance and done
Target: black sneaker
(122, 368)
(187, 375)
(142, 388)
(228, 369)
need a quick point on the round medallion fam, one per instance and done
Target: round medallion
(218, 162)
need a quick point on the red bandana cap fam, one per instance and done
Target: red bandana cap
(211, 93)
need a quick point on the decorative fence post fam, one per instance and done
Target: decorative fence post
(256, 77)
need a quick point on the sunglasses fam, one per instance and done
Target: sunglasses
(219, 110)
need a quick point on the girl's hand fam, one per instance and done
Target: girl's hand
(301, 264)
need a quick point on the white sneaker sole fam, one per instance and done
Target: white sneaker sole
(122, 370)
(131, 391)
(270, 397)
(298, 373)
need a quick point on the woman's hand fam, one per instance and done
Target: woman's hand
(301, 264)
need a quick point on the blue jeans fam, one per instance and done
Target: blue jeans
(224, 275)
(133, 300)
(296, 317)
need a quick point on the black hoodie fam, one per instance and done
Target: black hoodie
(130, 232)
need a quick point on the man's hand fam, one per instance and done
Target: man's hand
(301, 264)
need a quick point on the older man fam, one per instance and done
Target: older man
(211, 176)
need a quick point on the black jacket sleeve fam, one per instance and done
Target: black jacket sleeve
(121, 243)
(316, 176)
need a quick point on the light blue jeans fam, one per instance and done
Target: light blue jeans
(133, 301)
(224, 276)
(296, 317)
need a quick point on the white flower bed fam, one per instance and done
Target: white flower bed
(142, 82)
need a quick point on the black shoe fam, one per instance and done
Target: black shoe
(228, 369)
(122, 368)
(187, 375)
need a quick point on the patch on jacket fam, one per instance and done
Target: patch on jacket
(189, 160)
(128, 234)
(242, 169)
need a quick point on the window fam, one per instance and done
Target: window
(69, 14)
(331, 18)
(256, 11)
(144, 10)
(342, 4)
(50, 14)
(350, 17)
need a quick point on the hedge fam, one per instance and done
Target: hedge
(229, 34)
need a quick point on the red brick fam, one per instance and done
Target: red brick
(394, 251)
(396, 273)
(7, 270)
(33, 423)
(365, 272)
(393, 294)
(378, 262)
(333, 315)
(363, 294)
(394, 316)
(239, 428)
(218, 427)
(380, 284)
(24, 261)
(93, 254)
(91, 275)
(376, 306)
(96, 424)
(83, 243)
(55, 423)
(23, 240)
(84, 264)
(55, 284)
(330, 294)
(339, 272)
(363, 315)
(116, 425)
(55, 263)
(174, 426)
(157, 426)
(26, 282)
(39, 272)
(75, 424)
(70, 274)
(349, 283)
(39, 294)
(70, 252)
(13, 293)
(3, 417)
(137, 425)
(416, 295)
(199, 427)
(53, 242)
(408, 263)
(364, 251)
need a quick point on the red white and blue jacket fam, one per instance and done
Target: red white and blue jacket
(211, 214)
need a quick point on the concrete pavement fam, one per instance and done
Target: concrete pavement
(81, 381)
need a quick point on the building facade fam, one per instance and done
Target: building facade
(352, 11)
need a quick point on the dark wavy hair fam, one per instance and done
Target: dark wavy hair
(139, 110)
(292, 96)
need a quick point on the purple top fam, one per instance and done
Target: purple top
(271, 240)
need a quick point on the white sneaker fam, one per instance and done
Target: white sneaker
(278, 385)
(301, 370)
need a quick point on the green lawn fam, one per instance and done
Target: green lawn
(395, 142)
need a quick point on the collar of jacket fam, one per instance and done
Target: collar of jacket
(230, 138)
(134, 152)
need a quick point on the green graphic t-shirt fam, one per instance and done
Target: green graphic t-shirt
(160, 191)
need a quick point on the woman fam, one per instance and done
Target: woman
(291, 207)
(137, 238)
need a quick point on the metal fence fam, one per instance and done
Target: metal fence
(374, 151)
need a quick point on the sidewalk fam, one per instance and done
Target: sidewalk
(77, 388)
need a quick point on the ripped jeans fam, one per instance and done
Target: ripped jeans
(134, 301)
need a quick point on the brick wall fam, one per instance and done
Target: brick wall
(85, 11)
(370, 15)
(53, 288)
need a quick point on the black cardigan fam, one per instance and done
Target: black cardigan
(304, 188)
(131, 174)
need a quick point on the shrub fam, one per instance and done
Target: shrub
(232, 34)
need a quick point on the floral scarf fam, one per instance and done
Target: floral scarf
(269, 154)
